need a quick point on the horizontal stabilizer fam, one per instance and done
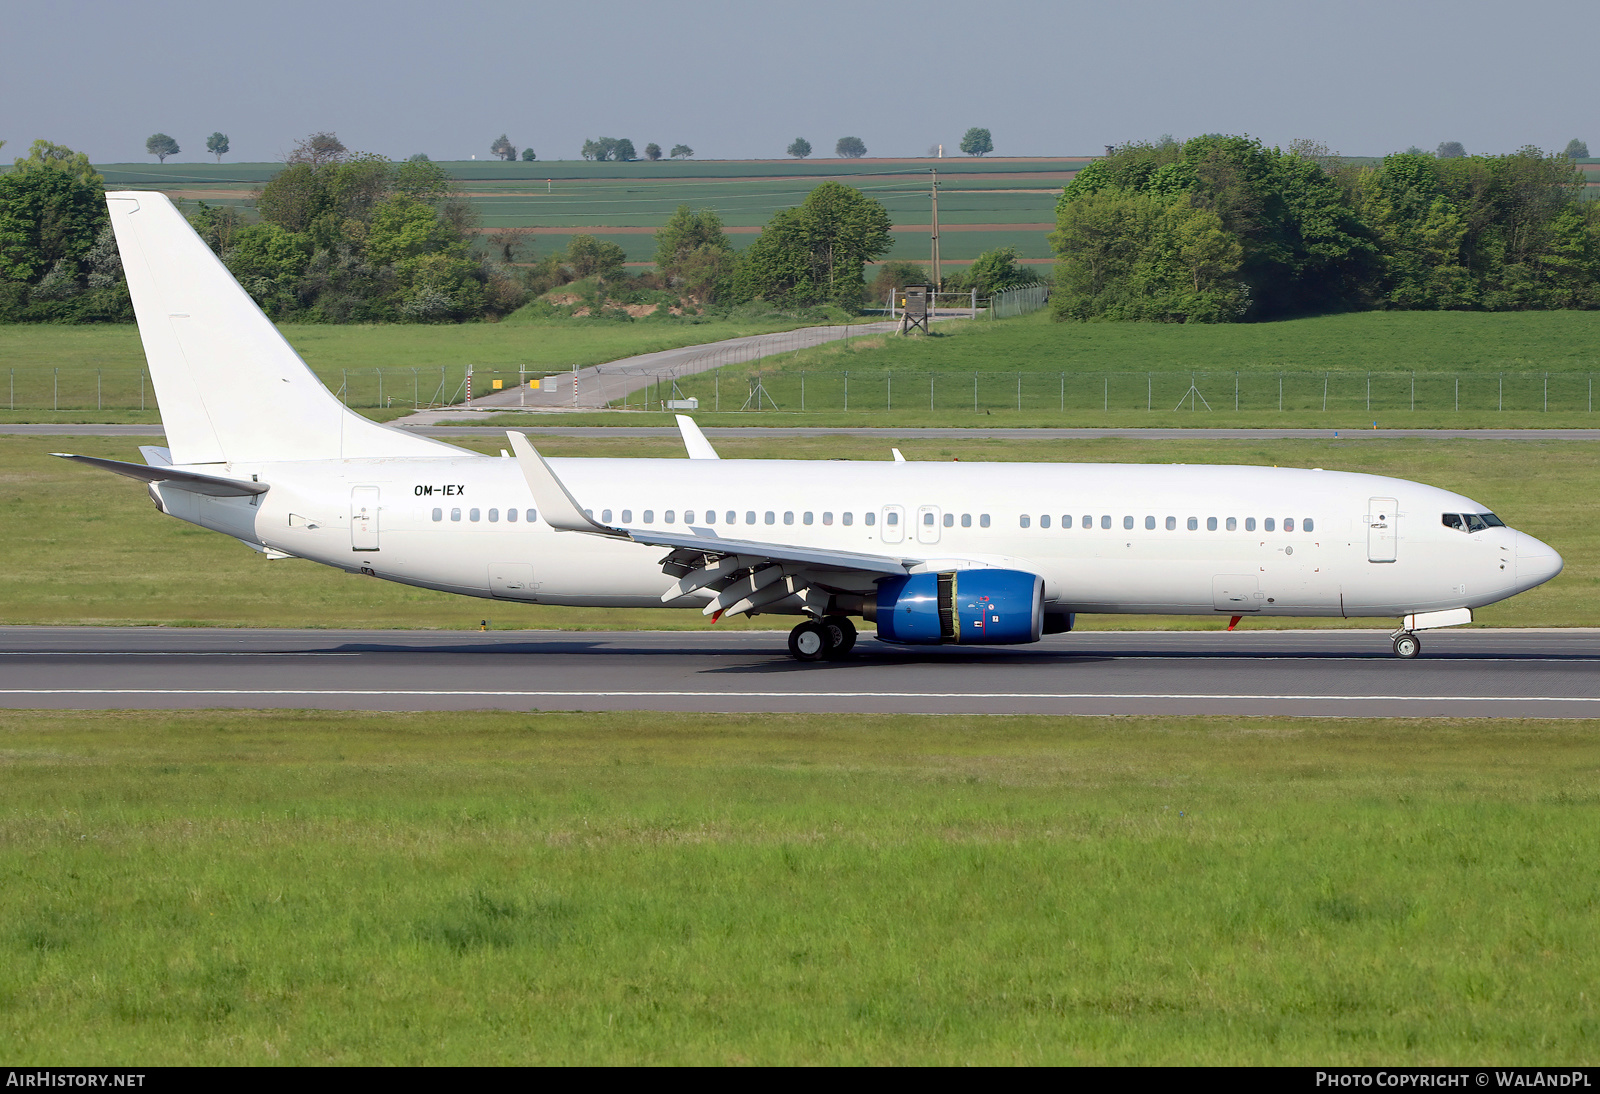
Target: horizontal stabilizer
(210, 485)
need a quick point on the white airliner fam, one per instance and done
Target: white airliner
(931, 553)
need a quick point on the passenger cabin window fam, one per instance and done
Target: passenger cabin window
(511, 515)
(927, 518)
(477, 514)
(1149, 523)
(1306, 525)
(891, 517)
(750, 516)
(1194, 524)
(494, 516)
(869, 519)
(772, 518)
(455, 514)
(649, 516)
(1044, 521)
(1211, 524)
(966, 520)
(847, 519)
(1025, 521)
(1127, 522)
(1267, 525)
(711, 516)
(1066, 520)
(788, 517)
(533, 515)
(1088, 521)
(983, 520)
(827, 518)
(1172, 524)
(949, 520)
(688, 516)
(627, 516)
(605, 515)
(1105, 522)
(438, 514)
(731, 517)
(668, 516)
(806, 519)
(1233, 524)
(1288, 524)
(1249, 524)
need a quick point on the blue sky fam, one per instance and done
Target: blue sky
(741, 80)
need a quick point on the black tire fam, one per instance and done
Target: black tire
(843, 635)
(1407, 646)
(809, 641)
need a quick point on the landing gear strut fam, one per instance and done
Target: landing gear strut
(826, 639)
(1406, 646)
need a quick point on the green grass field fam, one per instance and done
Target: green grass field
(290, 888)
(85, 547)
(1501, 369)
(101, 367)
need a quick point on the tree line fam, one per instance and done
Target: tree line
(1223, 228)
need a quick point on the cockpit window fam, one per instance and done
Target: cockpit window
(1472, 522)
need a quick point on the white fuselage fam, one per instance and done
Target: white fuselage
(1105, 537)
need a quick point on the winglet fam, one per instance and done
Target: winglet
(695, 441)
(558, 507)
(898, 458)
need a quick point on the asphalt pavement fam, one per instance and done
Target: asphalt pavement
(1462, 673)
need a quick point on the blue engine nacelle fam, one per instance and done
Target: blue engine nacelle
(970, 607)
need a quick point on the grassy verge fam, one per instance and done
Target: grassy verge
(226, 887)
(82, 546)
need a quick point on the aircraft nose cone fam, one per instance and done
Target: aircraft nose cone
(1537, 562)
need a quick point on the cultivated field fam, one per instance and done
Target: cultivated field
(224, 887)
(85, 547)
(984, 203)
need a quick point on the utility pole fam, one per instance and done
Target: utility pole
(937, 280)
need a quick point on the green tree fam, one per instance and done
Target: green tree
(681, 152)
(591, 257)
(816, 252)
(977, 142)
(652, 151)
(799, 148)
(994, 271)
(217, 145)
(161, 146)
(503, 148)
(1450, 150)
(528, 155)
(318, 149)
(52, 210)
(623, 150)
(893, 276)
(1577, 150)
(693, 253)
(852, 148)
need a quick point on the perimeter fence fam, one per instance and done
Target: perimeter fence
(1075, 393)
(752, 389)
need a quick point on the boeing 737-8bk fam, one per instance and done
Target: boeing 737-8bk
(257, 448)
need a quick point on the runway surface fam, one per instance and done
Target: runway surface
(613, 431)
(1480, 673)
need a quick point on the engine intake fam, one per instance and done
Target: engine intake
(968, 607)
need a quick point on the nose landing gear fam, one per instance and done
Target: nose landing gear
(827, 639)
(1406, 646)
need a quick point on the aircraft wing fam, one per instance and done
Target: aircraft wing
(744, 574)
(213, 485)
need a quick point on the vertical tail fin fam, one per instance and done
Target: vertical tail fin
(229, 386)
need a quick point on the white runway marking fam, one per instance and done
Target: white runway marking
(386, 693)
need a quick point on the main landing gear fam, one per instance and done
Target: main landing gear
(822, 639)
(1406, 645)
